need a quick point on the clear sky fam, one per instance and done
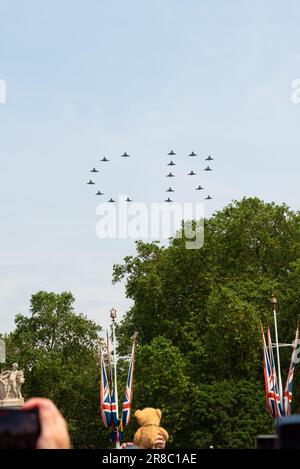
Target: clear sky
(91, 78)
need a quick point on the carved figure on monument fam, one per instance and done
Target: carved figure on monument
(10, 386)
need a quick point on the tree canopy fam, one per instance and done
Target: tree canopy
(197, 314)
(208, 304)
(57, 348)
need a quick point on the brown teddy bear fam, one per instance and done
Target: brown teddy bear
(149, 420)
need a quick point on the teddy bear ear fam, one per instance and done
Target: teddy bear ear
(159, 413)
(137, 413)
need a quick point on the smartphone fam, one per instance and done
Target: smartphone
(19, 428)
(288, 430)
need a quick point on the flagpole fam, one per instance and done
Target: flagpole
(274, 304)
(113, 315)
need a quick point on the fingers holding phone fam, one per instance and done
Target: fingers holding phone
(19, 428)
(54, 430)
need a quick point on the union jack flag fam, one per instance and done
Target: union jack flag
(272, 396)
(127, 401)
(288, 392)
(105, 399)
(115, 421)
(275, 387)
(114, 412)
(110, 375)
(116, 435)
(109, 400)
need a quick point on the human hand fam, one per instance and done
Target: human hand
(54, 428)
(126, 445)
(160, 442)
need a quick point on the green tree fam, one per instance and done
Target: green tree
(197, 314)
(162, 381)
(228, 414)
(208, 303)
(58, 350)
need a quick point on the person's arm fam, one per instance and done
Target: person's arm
(54, 428)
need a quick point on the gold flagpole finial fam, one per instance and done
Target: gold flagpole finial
(274, 301)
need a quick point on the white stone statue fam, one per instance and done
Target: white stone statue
(10, 387)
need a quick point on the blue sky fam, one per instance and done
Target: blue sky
(91, 78)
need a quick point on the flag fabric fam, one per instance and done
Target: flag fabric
(115, 422)
(127, 401)
(105, 398)
(288, 392)
(108, 400)
(110, 376)
(271, 398)
(114, 416)
(267, 375)
(279, 411)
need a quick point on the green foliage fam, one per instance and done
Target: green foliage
(228, 414)
(197, 314)
(58, 350)
(207, 304)
(168, 386)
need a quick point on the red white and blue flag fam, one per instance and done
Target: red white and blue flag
(108, 400)
(105, 399)
(272, 396)
(288, 392)
(110, 376)
(115, 421)
(127, 401)
(274, 382)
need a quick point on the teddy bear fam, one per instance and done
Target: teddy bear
(149, 420)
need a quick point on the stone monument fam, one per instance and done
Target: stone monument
(10, 387)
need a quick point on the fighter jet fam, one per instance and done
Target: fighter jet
(191, 173)
(207, 168)
(170, 190)
(192, 154)
(170, 175)
(209, 158)
(168, 200)
(104, 159)
(199, 188)
(125, 155)
(111, 200)
(128, 199)
(99, 193)
(94, 170)
(91, 182)
(208, 197)
(171, 164)
(171, 153)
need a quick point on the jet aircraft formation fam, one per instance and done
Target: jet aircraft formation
(172, 154)
(191, 173)
(94, 171)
